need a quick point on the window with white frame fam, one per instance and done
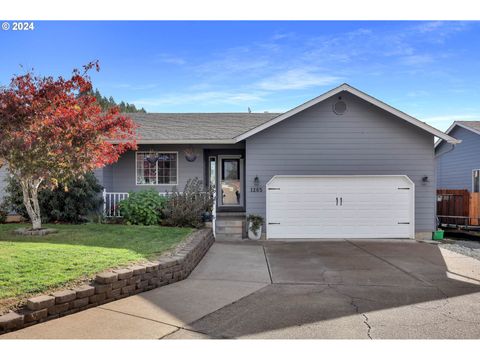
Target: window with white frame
(156, 168)
(476, 180)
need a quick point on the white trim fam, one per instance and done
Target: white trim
(473, 185)
(450, 129)
(360, 94)
(210, 171)
(156, 164)
(412, 209)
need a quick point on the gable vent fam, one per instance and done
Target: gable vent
(340, 107)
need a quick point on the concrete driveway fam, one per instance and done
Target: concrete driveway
(331, 289)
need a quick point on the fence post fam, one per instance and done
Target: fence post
(104, 202)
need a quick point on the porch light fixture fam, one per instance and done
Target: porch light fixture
(256, 181)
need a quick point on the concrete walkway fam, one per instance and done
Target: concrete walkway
(329, 289)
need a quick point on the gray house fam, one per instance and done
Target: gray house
(458, 167)
(342, 165)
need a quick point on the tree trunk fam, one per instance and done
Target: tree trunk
(30, 200)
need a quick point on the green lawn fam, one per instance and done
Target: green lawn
(35, 264)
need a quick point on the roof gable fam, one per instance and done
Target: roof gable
(473, 126)
(360, 94)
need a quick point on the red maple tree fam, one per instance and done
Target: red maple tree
(53, 130)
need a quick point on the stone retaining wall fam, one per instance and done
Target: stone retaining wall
(112, 285)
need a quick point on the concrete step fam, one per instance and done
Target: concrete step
(231, 214)
(229, 230)
(229, 222)
(228, 237)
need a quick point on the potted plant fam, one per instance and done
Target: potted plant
(255, 223)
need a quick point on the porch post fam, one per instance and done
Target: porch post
(104, 202)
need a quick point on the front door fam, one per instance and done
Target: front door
(230, 181)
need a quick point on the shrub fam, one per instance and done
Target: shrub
(72, 203)
(3, 216)
(189, 207)
(142, 208)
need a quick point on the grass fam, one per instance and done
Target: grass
(31, 265)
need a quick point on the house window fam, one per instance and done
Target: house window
(156, 168)
(476, 180)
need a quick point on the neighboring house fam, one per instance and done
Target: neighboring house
(458, 167)
(342, 165)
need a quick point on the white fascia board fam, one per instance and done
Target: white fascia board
(450, 129)
(360, 94)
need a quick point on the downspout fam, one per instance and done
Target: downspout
(446, 152)
(437, 220)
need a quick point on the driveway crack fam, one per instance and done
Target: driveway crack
(357, 310)
(368, 326)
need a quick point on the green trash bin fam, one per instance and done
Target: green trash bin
(437, 235)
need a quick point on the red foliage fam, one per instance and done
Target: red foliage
(53, 129)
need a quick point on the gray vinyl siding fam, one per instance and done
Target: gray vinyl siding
(364, 141)
(454, 168)
(120, 177)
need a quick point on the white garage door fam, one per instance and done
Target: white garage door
(340, 207)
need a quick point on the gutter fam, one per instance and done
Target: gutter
(451, 149)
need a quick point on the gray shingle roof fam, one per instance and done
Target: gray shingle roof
(472, 124)
(202, 126)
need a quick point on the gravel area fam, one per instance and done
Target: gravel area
(464, 247)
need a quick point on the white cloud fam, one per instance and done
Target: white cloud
(209, 97)
(295, 79)
(443, 122)
(417, 60)
(171, 59)
(452, 118)
(418, 93)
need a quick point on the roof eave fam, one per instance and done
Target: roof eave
(184, 141)
(456, 123)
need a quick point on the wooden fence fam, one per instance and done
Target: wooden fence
(458, 207)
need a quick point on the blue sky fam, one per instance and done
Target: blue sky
(430, 70)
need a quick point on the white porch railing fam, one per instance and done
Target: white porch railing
(111, 201)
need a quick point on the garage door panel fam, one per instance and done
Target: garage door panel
(367, 207)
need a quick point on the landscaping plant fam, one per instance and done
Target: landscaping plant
(72, 203)
(53, 131)
(142, 208)
(255, 222)
(3, 215)
(188, 207)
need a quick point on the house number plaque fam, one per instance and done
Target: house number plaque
(256, 189)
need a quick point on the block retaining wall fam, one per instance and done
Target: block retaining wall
(112, 285)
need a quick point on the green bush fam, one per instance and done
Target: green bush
(3, 216)
(188, 208)
(142, 208)
(72, 204)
